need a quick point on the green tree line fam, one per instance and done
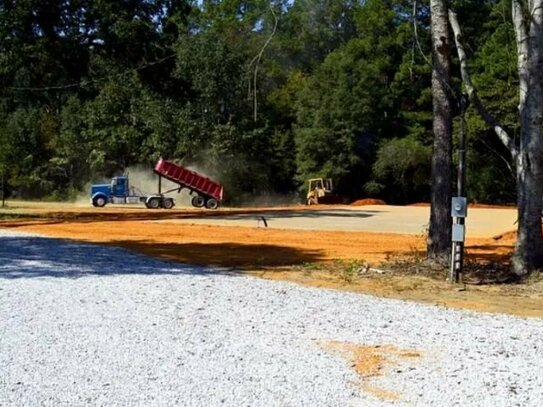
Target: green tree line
(260, 94)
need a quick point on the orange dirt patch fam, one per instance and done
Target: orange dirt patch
(490, 206)
(227, 246)
(239, 246)
(371, 361)
(368, 201)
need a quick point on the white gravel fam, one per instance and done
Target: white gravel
(84, 324)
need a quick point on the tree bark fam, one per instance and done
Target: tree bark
(528, 154)
(528, 255)
(439, 234)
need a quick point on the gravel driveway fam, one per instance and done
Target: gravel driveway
(84, 324)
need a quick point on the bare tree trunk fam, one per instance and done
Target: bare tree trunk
(528, 255)
(472, 92)
(528, 155)
(439, 235)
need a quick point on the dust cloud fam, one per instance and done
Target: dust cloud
(267, 200)
(224, 171)
(145, 182)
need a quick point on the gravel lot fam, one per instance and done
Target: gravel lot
(84, 324)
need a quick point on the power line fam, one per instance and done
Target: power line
(91, 81)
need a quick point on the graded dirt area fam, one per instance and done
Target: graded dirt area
(298, 244)
(370, 218)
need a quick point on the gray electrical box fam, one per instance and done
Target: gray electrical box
(459, 207)
(458, 233)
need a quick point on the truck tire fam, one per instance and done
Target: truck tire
(153, 203)
(99, 201)
(198, 201)
(212, 203)
(168, 203)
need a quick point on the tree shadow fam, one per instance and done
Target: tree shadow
(117, 214)
(238, 255)
(29, 257)
(335, 213)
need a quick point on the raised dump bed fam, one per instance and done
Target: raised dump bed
(208, 192)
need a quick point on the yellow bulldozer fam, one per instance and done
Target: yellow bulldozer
(318, 190)
(321, 191)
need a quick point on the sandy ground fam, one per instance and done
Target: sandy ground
(295, 243)
(481, 222)
(378, 218)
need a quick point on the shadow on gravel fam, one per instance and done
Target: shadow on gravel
(30, 257)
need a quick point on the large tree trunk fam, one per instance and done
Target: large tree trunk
(528, 154)
(439, 234)
(528, 255)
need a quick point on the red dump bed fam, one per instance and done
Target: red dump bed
(189, 179)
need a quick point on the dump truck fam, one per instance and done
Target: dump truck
(206, 192)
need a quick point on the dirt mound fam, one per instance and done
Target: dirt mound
(368, 201)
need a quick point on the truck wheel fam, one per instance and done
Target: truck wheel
(99, 201)
(198, 201)
(167, 203)
(153, 203)
(212, 204)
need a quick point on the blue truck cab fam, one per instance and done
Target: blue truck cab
(117, 191)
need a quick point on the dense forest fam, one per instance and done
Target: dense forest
(260, 94)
